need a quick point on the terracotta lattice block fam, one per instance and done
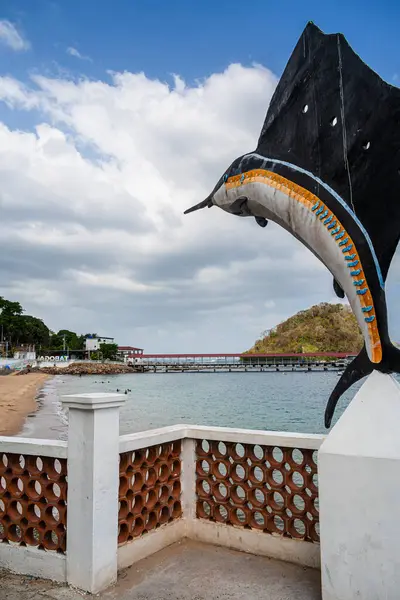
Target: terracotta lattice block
(273, 489)
(149, 489)
(33, 501)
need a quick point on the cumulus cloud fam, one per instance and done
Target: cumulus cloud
(74, 52)
(92, 201)
(9, 36)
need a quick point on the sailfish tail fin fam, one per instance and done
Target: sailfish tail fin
(356, 370)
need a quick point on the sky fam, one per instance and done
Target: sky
(117, 116)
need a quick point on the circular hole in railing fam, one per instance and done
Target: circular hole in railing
(278, 501)
(333, 121)
(298, 502)
(14, 533)
(299, 527)
(123, 533)
(176, 489)
(239, 450)
(256, 475)
(3, 484)
(203, 510)
(222, 449)
(39, 463)
(32, 536)
(277, 454)
(151, 476)
(164, 493)
(164, 514)
(176, 467)
(56, 490)
(137, 482)
(222, 470)
(138, 527)
(257, 497)
(205, 486)
(238, 494)
(151, 499)
(221, 513)
(151, 521)
(2, 506)
(2, 531)
(297, 479)
(297, 456)
(258, 452)
(123, 509)
(4, 460)
(137, 504)
(205, 466)
(57, 466)
(239, 516)
(238, 473)
(258, 519)
(205, 446)
(21, 462)
(176, 510)
(277, 477)
(305, 108)
(279, 523)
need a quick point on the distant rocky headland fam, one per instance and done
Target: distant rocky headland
(322, 328)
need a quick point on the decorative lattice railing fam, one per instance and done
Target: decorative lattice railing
(33, 501)
(269, 488)
(149, 490)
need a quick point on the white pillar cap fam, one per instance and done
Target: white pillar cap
(93, 401)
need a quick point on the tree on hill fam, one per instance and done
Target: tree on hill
(322, 328)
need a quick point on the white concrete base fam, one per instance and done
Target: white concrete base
(31, 561)
(152, 542)
(359, 491)
(257, 542)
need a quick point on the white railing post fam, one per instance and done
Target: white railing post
(359, 490)
(93, 481)
(188, 480)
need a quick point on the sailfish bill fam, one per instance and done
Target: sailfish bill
(326, 168)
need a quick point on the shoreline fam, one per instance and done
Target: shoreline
(18, 399)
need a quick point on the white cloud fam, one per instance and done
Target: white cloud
(92, 205)
(74, 52)
(9, 36)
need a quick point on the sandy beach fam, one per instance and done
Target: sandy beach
(17, 400)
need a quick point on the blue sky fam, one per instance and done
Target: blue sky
(101, 151)
(192, 38)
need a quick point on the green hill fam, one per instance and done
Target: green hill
(322, 328)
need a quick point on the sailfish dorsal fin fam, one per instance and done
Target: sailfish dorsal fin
(335, 117)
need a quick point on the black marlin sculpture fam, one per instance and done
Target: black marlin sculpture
(327, 169)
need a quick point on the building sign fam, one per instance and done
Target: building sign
(53, 358)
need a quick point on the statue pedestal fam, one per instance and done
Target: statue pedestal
(359, 486)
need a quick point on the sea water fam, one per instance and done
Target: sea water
(277, 401)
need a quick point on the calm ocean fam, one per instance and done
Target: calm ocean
(270, 401)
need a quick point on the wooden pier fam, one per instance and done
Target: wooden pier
(239, 363)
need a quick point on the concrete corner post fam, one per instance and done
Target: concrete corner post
(188, 479)
(93, 481)
(359, 491)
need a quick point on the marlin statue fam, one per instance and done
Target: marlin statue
(327, 169)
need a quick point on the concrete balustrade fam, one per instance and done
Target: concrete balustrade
(77, 512)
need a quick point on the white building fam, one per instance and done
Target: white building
(93, 343)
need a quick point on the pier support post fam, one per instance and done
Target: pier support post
(93, 480)
(359, 491)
